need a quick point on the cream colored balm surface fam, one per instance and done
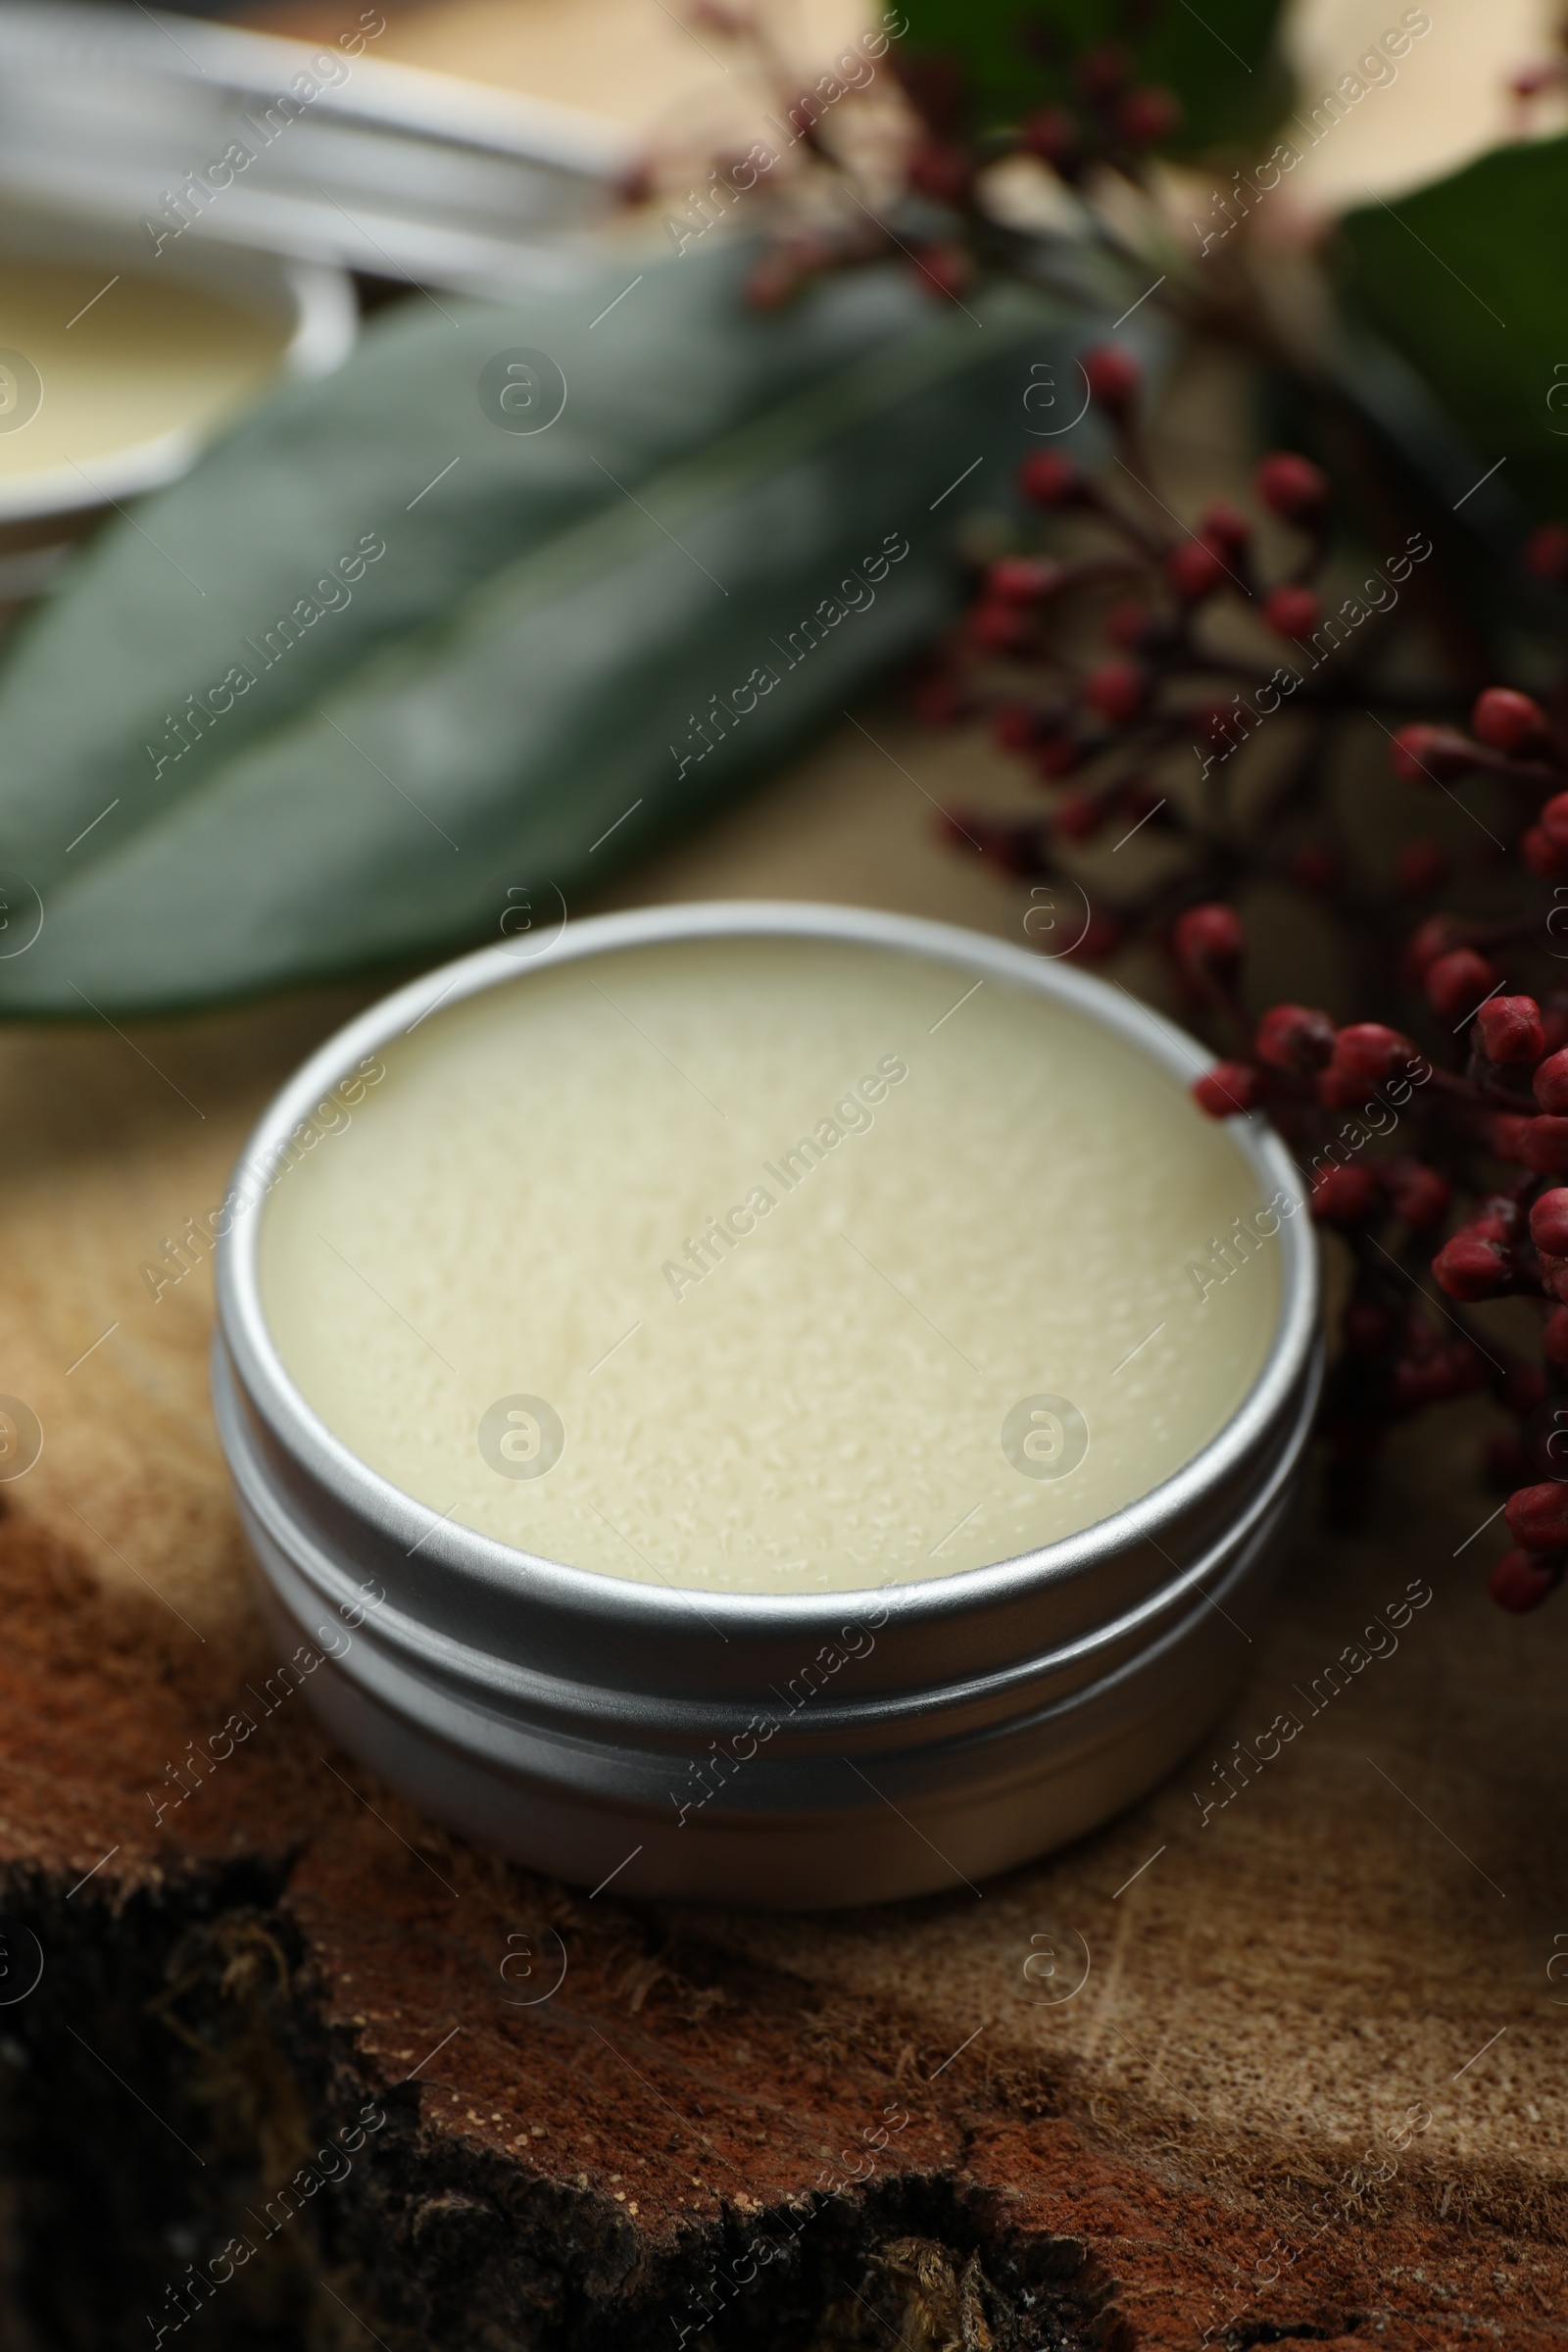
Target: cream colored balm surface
(110, 363)
(767, 1266)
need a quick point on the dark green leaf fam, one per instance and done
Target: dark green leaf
(1219, 59)
(515, 695)
(1467, 279)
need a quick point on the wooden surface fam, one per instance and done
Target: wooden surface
(1296, 2068)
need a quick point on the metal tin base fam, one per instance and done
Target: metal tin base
(904, 1824)
(594, 1729)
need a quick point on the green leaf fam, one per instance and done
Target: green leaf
(1219, 60)
(521, 691)
(1467, 280)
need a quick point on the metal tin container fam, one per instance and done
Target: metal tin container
(323, 151)
(973, 1720)
(313, 307)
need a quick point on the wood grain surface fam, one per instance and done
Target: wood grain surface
(1284, 2062)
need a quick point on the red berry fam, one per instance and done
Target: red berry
(1471, 1266)
(1225, 526)
(1421, 1380)
(999, 628)
(1209, 942)
(1118, 691)
(1294, 1037)
(1047, 479)
(1056, 756)
(1531, 81)
(1130, 625)
(1370, 1051)
(1552, 818)
(1554, 1337)
(1551, 1083)
(1548, 1222)
(1052, 135)
(1102, 937)
(1437, 936)
(1537, 1517)
(1546, 554)
(1024, 579)
(1510, 1029)
(1423, 755)
(1292, 488)
(1337, 1090)
(1541, 854)
(1344, 1195)
(1506, 1134)
(1115, 377)
(1457, 982)
(1544, 1147)
(945, 173)
(1422, 866)
(1013, 847)
(1498, 1218)
(1229, 1087)
(1103, 72)
(1293, 611)
(1417, 1192)
(1508, 722)
(1518, 1583)
(1079, 817)
(1016, 727)
(1145, 117)
(1194, 571)
(944, 271)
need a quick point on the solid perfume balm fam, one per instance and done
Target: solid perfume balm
(769, 1264)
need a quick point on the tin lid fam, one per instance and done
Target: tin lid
(205, 131)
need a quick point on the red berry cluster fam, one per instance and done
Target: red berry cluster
(1140, 739)
(942, 226)
(1126, 659)
(1490, 1130)
(1116, 115)
(1395, 1129)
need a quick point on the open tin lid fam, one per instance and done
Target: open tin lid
(185, 129)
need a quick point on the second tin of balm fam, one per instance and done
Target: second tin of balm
(772, 1359)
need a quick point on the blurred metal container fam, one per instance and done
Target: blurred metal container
(313, 307)
(974, 1720)
(183, 129)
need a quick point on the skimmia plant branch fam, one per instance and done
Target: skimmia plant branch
(1125, 658)
(1481, 1109)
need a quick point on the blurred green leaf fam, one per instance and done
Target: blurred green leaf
(1218, 58)
(520, 692)
(1468, 281)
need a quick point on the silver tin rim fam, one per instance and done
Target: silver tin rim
(396, 1517)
